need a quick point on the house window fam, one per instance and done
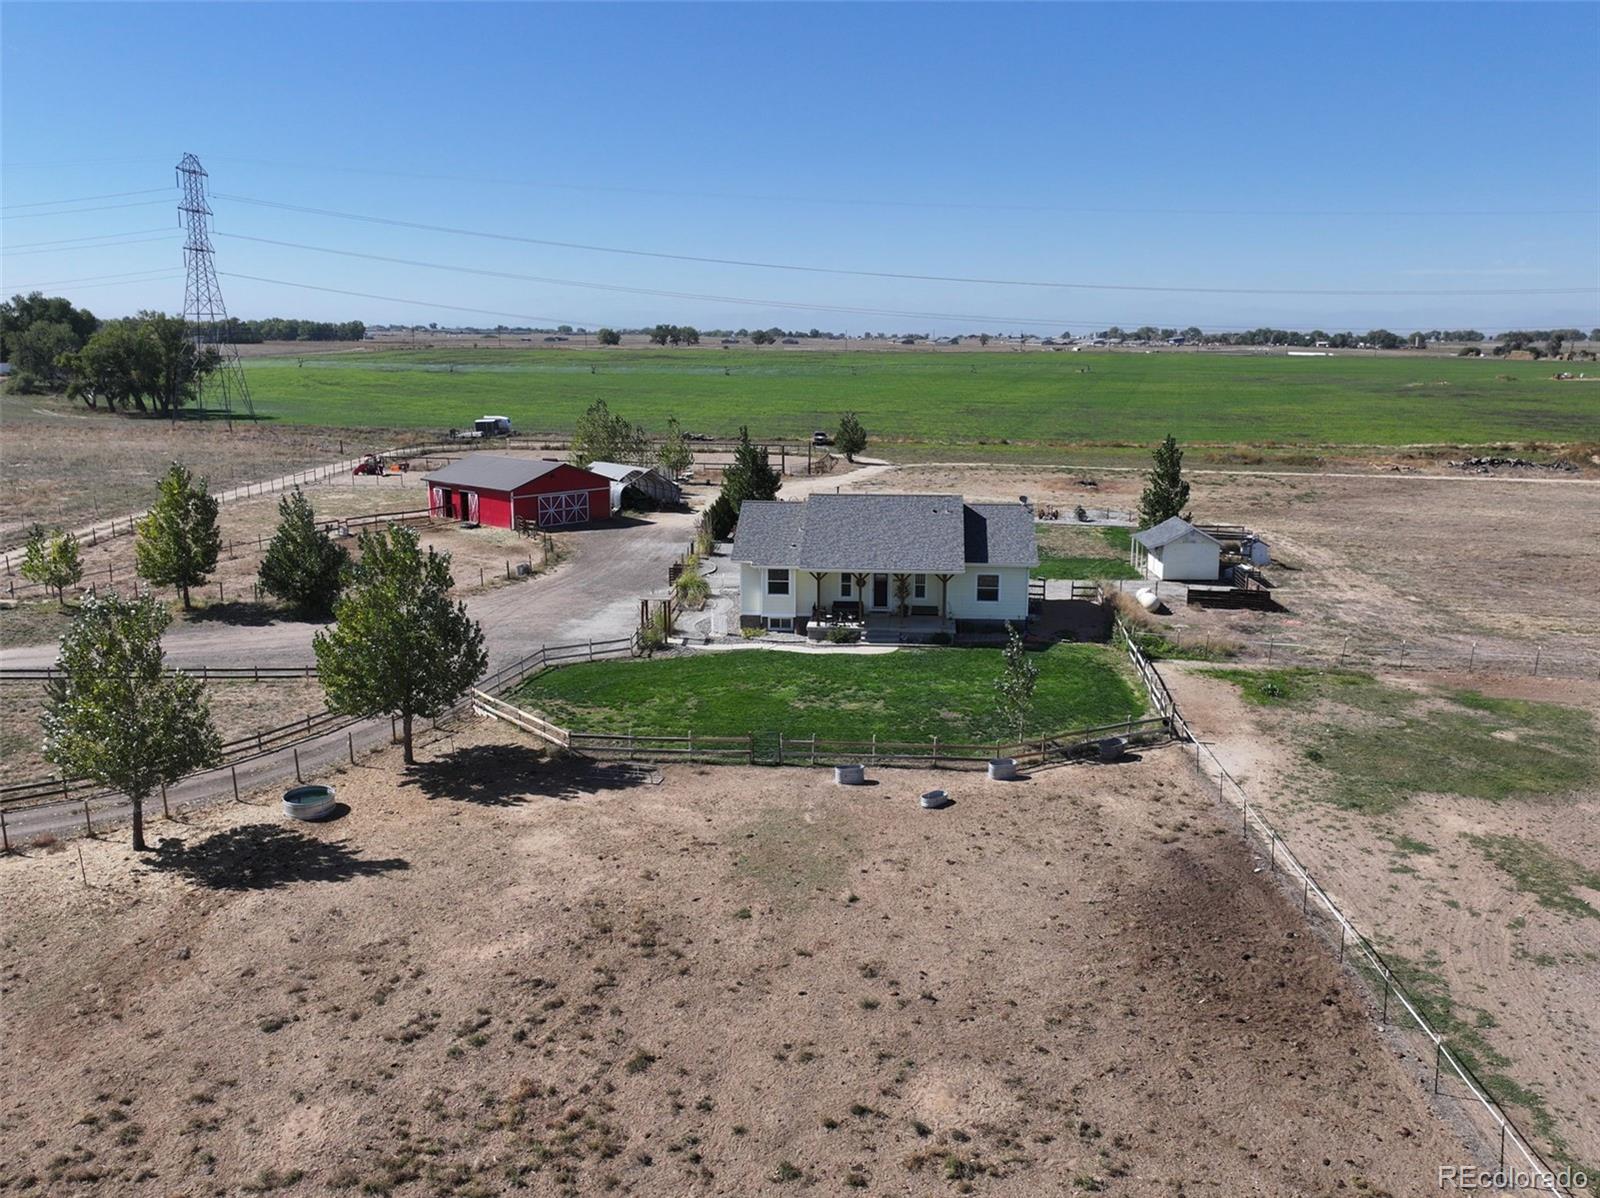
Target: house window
(919, 586)
(844, 586)
(777, 582)
(988, 588)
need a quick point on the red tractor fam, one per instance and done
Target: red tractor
(371, 464)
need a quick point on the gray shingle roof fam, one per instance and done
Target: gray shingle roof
(1001, 534)
(925, 534)
(1171, 529)
(493, 472)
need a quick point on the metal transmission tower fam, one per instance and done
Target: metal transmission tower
(203, 309)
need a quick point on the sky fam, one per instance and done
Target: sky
(1214, 165)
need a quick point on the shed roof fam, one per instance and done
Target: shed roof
(617, 472)
(493, 472)
(931, 534)
(1174, 528)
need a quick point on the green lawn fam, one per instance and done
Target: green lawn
(941, 398)
(1083, 553)
(907, 695)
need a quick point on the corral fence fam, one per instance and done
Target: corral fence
(278, 749)
(1451, 1075)
(203, 672)
(1541, 661)
(93, 798)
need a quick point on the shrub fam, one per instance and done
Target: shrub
(751, 634)
(844, 636)
(691, 588)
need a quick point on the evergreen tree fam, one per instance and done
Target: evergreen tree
(114, 715)
(851, 438)
(751, 475)
(400, 647)
(302, 565)
(1166, 494)
(178, 541)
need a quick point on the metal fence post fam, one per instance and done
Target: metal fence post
(1537, 650)
(351, 738)
(87, 822)
(166, 814)
(233, 773)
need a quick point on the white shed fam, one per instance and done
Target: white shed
(647, 479)
(1177, 551)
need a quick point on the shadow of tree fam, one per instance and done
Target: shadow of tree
(237, 611)
(509, 775)
(265, 857)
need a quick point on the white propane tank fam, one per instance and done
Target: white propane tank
(1148, 599)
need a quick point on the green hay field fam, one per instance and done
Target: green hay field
(944, 398)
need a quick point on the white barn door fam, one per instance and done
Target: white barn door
(570, 507)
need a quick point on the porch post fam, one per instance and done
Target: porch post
(944, 595)
(816, 600)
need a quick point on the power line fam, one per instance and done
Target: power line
(74, 249)
(392, 299)
(96, 208)
(884, 274)
(92, 281)
(27, 245)
(936, 205)
(109, 195)
(790, 305)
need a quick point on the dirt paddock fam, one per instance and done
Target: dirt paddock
(497, 972)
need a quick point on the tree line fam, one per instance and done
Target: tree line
(147, 362)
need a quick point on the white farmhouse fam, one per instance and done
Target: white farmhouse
(1177, 551)
(901, 566)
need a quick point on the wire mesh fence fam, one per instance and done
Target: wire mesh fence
(1452, 1079)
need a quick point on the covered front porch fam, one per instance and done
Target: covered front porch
(849, 596)
(882, 628)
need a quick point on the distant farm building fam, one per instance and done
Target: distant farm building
(498, 491)
(1177, 551)
(647, 480)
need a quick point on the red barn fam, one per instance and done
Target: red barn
(498, 491)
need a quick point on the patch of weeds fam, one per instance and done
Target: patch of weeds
(1541, 873)
(270, 1179)
(742, 913)
(1405, 846)
(869, 1004)
(639, 1062)
(785, 1172)
(1271, 688)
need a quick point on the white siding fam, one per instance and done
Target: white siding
(1193, 558)
(963, 601)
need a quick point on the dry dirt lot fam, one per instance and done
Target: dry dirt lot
(1490, 900)
(238, 708)
(499, 973)
(1379, 558)
(68, 467)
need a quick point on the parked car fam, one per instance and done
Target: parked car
(821, 438)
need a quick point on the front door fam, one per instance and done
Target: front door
(880, 591)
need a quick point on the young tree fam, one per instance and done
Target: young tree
(52, 562)
(400, 647)
(720, 518)
(302, 565)
(179, 540)
(1166, 493)
(851, 437)
(113, 715)
(608, 337)
(1018, 678)
(674, 456)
